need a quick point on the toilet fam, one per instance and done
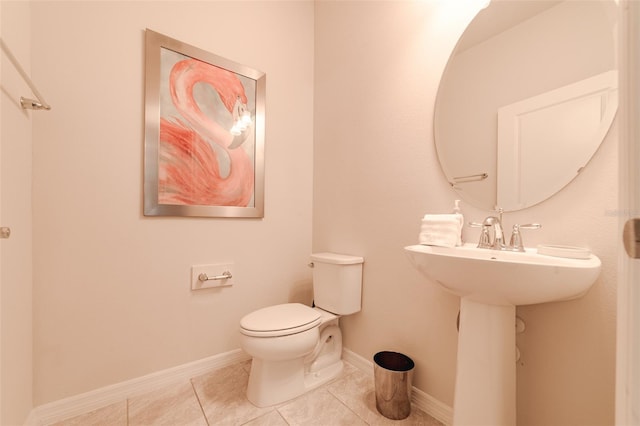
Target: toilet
(296, 348)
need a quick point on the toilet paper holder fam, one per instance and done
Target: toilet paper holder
(225, 275)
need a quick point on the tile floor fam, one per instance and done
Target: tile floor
(218, 398)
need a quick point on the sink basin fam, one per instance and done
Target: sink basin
(502, 277)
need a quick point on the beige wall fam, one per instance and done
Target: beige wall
(376, 173)
(112, 297)
(16, 260)
(567, 371)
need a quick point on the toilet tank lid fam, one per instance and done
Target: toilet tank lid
(335, 258)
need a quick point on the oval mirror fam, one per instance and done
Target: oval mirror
(526, 98)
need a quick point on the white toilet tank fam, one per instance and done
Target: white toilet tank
(337, 282)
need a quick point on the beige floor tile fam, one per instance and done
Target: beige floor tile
(174, 405)
(320, 408)
(346, 370)
(222, 394)
(272, 418)
(111, 415)
(246, 366)
(357, 391)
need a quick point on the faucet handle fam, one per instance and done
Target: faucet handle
(516, 243)
(530, 226)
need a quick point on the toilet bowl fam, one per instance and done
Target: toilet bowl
(296, 348)
(282, 366)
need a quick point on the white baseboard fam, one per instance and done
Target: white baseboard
(432, 406)
(422, 400)
(83, 403)
(98, 398)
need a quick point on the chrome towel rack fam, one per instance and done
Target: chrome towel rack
(470, 178)
(26, 103)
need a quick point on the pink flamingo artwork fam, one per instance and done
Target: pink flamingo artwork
(201, 160)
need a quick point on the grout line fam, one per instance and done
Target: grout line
(346, 405)
(193, 388)
(282, 417)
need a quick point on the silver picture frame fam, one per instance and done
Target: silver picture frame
(204, 133)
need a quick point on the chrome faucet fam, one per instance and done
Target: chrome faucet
(496, 240)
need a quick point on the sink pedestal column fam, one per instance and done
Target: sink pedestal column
(485, 392)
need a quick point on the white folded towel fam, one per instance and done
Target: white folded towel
(443, 230)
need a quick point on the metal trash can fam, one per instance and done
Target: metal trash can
(393, 374)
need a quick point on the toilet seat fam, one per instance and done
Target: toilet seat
(280, 320)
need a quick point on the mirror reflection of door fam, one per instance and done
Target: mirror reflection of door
(512, 54)
(546, 140)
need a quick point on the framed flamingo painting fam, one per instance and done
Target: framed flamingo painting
(204, 133)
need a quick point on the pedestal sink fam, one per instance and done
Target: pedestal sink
(491, 284)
